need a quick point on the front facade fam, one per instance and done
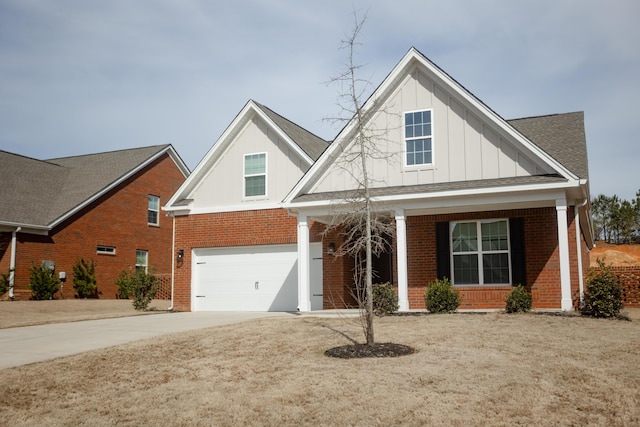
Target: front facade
(104, 207)
(486, 202)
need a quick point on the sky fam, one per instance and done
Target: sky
(80, 77)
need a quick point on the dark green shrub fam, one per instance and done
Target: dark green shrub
(4, 282)
(603, 296)
(84, 279)
(43, 282)
(441, 297)
(518, 300)
(385, 299)
(142, 286)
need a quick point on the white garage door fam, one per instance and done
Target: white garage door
(252, 278)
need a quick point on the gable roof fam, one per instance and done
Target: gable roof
(41, 194)
(308, 146)
(548, 149)
(560, 135)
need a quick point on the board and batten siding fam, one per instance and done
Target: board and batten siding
(465, 148)
(224, 185)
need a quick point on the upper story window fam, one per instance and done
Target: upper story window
(418, 138)
(142, 261)
(106, 250)
(255, 175)
(480, 252)
(153, 210)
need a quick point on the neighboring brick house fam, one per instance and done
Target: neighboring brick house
(103, 207)
(486, 202)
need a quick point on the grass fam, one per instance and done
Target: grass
(481, 369)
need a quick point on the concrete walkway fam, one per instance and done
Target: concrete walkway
(30, 344)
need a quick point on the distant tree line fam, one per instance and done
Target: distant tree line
(616, 220)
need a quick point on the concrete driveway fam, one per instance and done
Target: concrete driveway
(30, 344)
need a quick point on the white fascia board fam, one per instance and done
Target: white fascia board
(8, 226)
(108, 188)
(514, 193)
(282, 134)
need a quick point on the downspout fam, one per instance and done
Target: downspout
(12, 266)
(579, 248)
(173, 263)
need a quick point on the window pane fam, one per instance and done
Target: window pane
(495, 268)
(154, 203)
(494, 236)
(152, 217)
(411, 159)
(465, 270)
(255, 186)
(255, 164)
(141, 258)
(465, 237)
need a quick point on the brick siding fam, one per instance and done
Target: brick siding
(117, 219)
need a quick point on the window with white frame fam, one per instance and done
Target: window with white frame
(142, 261)
(106, 250)
(153, 210)
(480, 252)
(418, 137)
(255, 175)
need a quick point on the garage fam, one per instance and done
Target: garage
(252, 278)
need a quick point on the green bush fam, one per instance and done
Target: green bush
(385, 299)
(84, 279)
(4, 282)
(142, 286)
(43, 282)
(518, 300)
(441, 297)
(603, 296)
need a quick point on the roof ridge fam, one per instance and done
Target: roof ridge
(107, 152)
(545, 115)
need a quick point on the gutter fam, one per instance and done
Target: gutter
(173, 264)
(12, 266)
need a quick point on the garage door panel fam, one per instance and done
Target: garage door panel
(246, 279)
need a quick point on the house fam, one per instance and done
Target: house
(103, 207)
(486, 202)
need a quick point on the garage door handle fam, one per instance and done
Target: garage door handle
(256, 285)
(200, 296)
(317, 295)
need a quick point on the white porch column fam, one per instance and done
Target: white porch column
(579, 252)
(563, 250)
(304, 295)
(12, 262)
(401, 255)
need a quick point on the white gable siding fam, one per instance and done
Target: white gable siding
(465, 147)
(224, 184)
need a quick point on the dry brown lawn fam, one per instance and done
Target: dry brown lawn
(27, 313)
(469, 369)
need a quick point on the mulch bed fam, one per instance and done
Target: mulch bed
(358, 351)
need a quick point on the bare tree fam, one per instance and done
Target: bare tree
(363, 225)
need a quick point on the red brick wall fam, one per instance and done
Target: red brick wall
(337, 275)
(541, 258)
(117, 219)
(629, 278)
(243, 228)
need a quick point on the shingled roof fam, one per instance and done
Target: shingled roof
(559, 135)
(311, 144)
(41, 193)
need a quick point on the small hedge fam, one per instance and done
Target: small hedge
(603, 296)
(518, 300)
(441, 297)
(385, 299)
(142, 286)
(84, 279)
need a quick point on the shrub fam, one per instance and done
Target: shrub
(4, 282)
(518, 300)
(440, 297)
(142, 286)
(603, 296)
(385, 299)
(84, 279)
(43, 282)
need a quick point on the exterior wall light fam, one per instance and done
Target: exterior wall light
(331, 248)
(180, 255)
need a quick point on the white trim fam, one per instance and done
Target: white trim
(157, 223)
(479, 251)
(245, 176)
(304, 294)
(413, 59)
(579, 251)
(216, 151)
(563, 252)
(403, 138)
(247, 206)
(401, 257)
